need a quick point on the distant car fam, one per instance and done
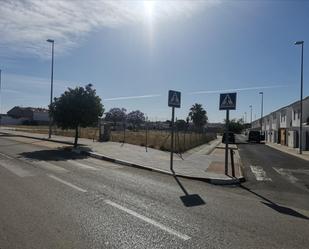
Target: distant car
(231, 137)
(255, 136)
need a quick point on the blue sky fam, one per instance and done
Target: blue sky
(141, 49)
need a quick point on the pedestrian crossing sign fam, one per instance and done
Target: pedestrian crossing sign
(227, 101)
(174, 98)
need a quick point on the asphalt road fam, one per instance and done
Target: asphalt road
(277, 176)
(54, 199)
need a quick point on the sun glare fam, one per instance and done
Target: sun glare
(149, 8)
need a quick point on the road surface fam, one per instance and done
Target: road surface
(55, 199)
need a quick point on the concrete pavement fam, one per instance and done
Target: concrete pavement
(205, 162)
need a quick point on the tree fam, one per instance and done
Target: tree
(198, 115)
(136, 118)
(116, 115)
(236, 126)
(181, 125)
(78, 107)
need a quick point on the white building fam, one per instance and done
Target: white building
(282, 126)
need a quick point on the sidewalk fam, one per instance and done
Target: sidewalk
(289, 150)
(205, 162)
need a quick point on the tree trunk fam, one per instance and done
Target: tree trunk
(76, 137)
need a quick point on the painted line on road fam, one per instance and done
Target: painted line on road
(148, 220)
(50, 166)
(17, 170)
(81, 165)
(6, 156)
(287, 174)
(259, 173)
(67, 183)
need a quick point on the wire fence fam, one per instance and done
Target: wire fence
(152, 138)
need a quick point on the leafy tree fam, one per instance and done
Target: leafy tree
(116, 115)
(136, 118)
(236, 126)
(198, 115)
(78, 107)
(181, 125)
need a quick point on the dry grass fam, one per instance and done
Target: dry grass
(162, 139)
(155, 139)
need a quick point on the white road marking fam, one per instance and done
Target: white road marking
(17, 170)
(105, 164)
(6, 156)
(81, 165)
(259, 173)
(286, 173)
(50, 166)
(148, 220)
(67, 183)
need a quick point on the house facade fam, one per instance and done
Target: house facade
(30, 114)
(283, 125)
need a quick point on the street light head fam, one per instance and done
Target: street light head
(50, 40)
(260, 92)
(299, 43)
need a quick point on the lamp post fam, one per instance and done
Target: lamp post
(301, 94)
(262, 109)
(250, 114)
(51, 86)
(0, 98)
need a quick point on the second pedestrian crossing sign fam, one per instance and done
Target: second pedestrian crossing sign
(227, 101)
(174, 98)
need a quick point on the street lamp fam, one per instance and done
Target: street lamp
(250, 106)
(0, 98)
(301, 94)
(51, 86)
(262, 109)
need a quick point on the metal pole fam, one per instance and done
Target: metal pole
(301, 101)
(0, 97)
(51, 90)
(250, 114)
(172, 139)
(146, 143)
(262, 110)
(227, 141)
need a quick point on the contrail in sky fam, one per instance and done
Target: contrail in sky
(198, 92)
(134, 97)
(239, 89)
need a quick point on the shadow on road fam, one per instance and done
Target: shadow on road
(189, 200)
(52, 155)
(276, 207)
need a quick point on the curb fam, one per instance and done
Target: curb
(287, 152)
(215, 181)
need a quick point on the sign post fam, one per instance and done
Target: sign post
(227, 102)
(174, 100)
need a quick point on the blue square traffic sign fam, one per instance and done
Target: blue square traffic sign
(174, 98)
(227, 101)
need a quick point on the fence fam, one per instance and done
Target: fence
(157, 139)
